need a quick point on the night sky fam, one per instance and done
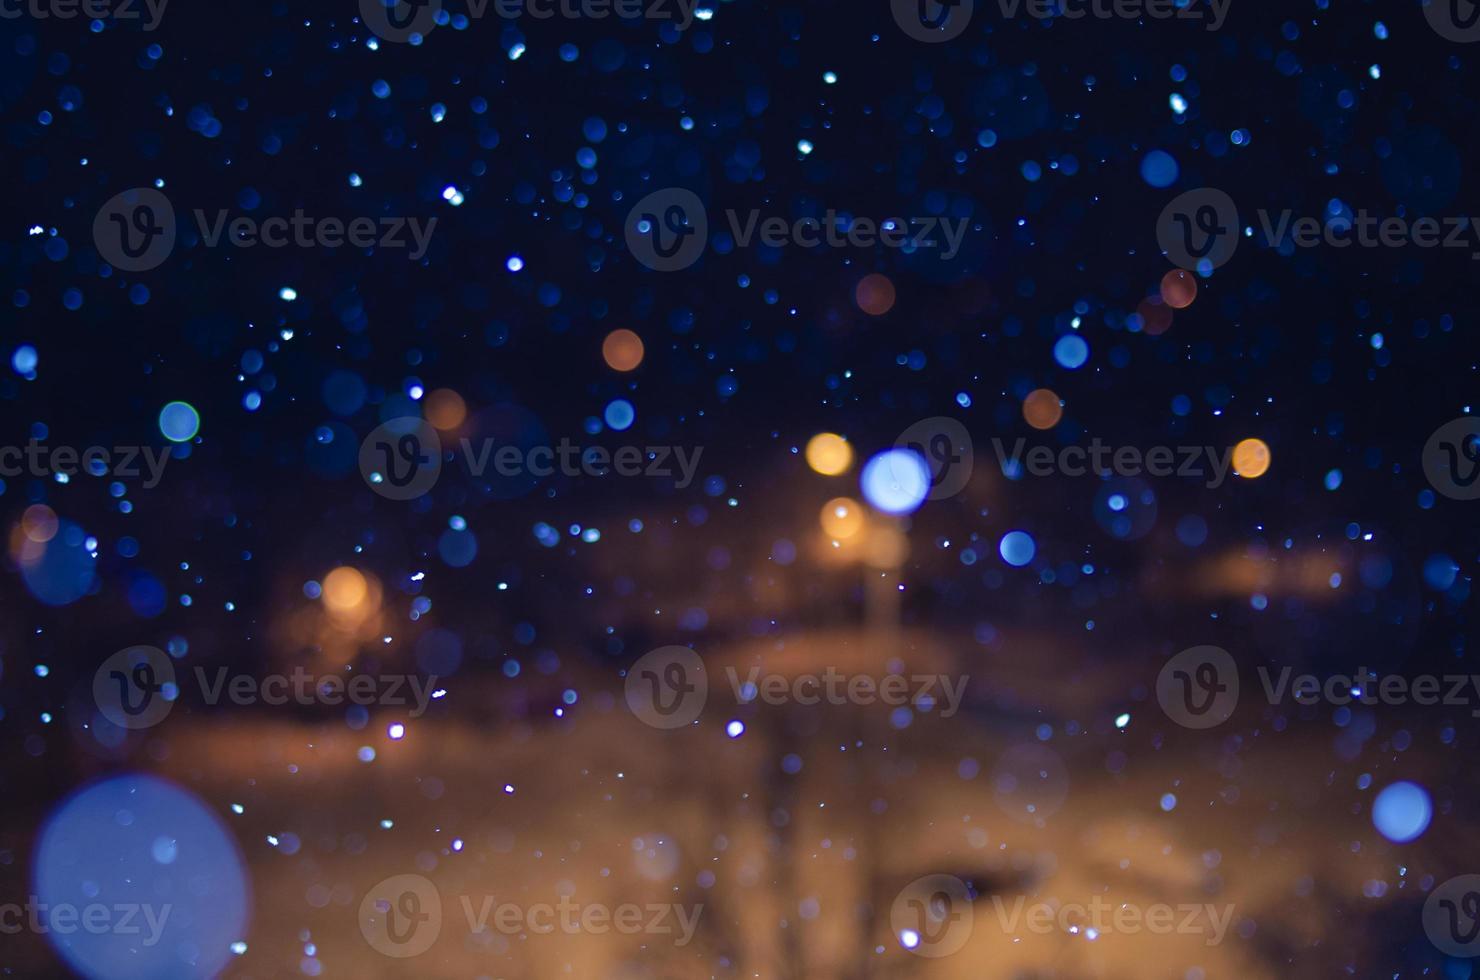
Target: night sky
(1057, 144)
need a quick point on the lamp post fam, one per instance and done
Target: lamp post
(884, 555)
